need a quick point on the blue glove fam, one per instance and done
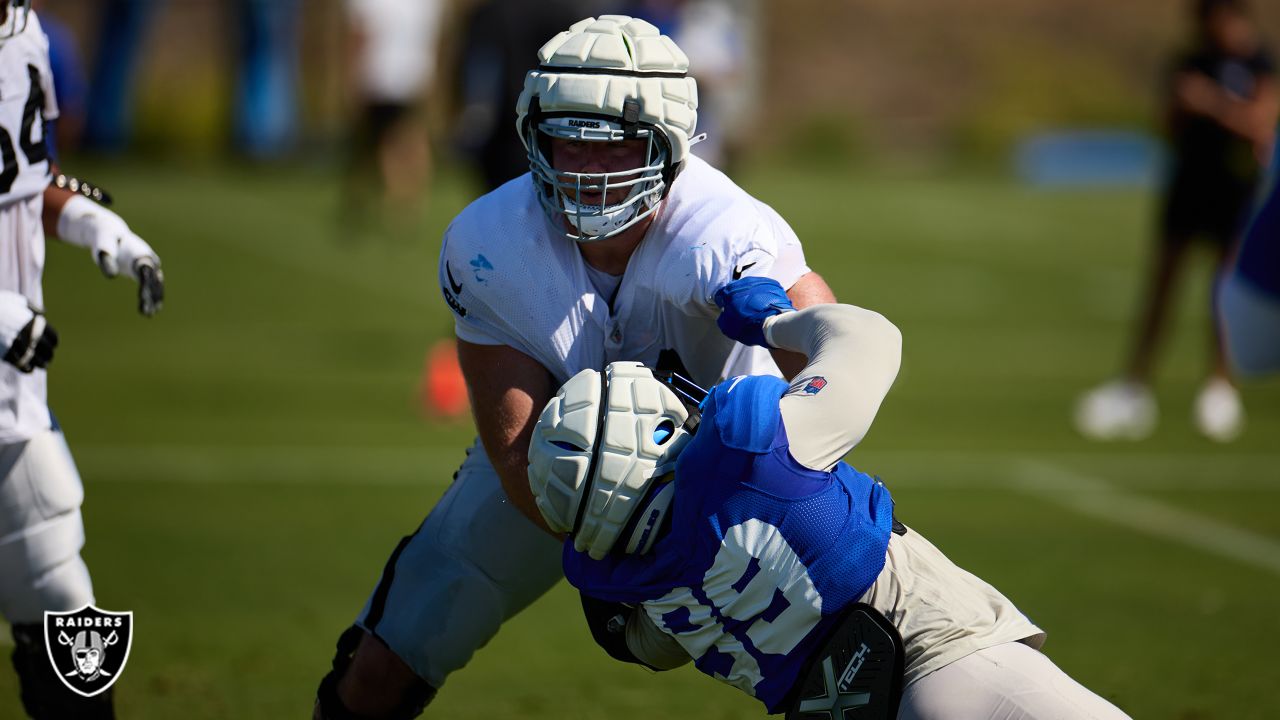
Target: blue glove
(746, 303)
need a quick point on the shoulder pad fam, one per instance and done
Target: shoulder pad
(744, 412)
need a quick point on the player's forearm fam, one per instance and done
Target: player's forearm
(856, 353)
(508, 391)
(1253, 119)
(808, 291)
(55, 199)
(505, 435)
(511, 461)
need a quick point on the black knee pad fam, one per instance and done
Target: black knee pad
(330, 707)
(43, 695)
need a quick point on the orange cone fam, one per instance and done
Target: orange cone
(444, 390)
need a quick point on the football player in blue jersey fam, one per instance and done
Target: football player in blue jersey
(1249, 295)
(723, 528)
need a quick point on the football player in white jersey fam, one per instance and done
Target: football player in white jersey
(41, 532)
(611, 248)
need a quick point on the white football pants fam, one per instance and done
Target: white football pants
(41, 532)
(1006, 682)
(474, 563)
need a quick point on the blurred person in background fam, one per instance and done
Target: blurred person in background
(265, 121)
(70, 80)
(1221, 116)
(266, 108)
(41, 529)
(499, 37)
(1249, 295)
(393, 47)
(719, 36)
(122, 26)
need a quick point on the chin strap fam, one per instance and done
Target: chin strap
(649, 520)
(630, 118)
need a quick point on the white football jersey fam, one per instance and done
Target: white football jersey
(512, 278)
(26, 101)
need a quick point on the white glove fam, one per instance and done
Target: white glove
(115, 248)
(26, 340)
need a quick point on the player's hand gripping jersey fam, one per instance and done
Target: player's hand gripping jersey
(512, 278)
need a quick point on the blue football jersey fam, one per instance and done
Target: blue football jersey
(762, 554)
(1259, 257)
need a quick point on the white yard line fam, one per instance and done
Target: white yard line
(433, 465)
(272, 464)
(1095, 497)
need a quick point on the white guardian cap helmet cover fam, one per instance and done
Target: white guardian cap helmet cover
(607, 79)
(600, 454)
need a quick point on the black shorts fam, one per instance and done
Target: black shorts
(376, 120)
(1210, 206)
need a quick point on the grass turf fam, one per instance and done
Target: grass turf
(253, 454)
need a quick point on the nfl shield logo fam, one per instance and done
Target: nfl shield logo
(815, 385)
(88, 647)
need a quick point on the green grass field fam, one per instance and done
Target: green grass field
(253, 454)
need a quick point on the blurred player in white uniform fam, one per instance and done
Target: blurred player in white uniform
(392, 65)
(610, 249)
(41, 532)
(723, 528)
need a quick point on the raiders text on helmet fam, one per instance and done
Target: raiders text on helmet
(607, 79)
(599, 455)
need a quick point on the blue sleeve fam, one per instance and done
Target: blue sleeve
(1249, 295)
(744, 412)
(1259, 258)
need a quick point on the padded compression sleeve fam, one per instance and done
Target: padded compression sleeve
(857, 353)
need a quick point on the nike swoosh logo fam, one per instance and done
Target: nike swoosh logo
(457, 286)
(737, 273)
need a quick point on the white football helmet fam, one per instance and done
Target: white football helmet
(16, 14)
(607, 79)
(600, 456)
